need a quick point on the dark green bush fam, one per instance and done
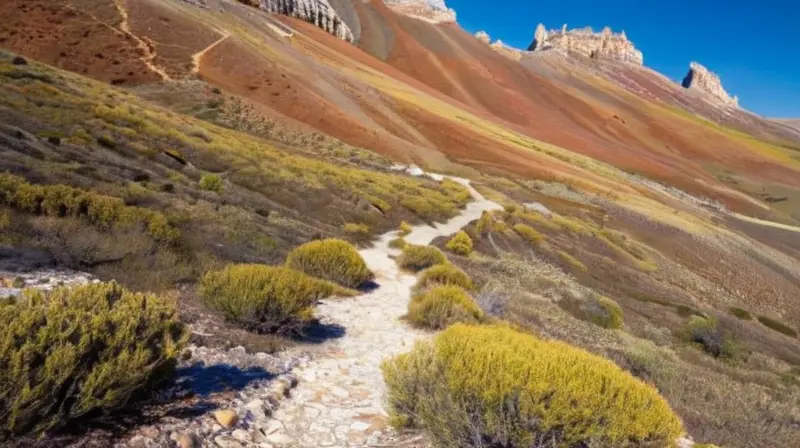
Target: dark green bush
(331, 259)
(417, 258)
(266, 299)
(443, 306)
(76, 352)
(444, 274)
(778, 326)
(491, 386)
(714, 341)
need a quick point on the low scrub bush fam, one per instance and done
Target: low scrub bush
(605, 313)
(444, 274)
(417, 258)
(211, 182)
(778, 326)
(60, 201)
(355, 229)
(266, 299)
(76, 352)
(442, 306)
(529, 233)
(331, 259)
(485, 223)
(741, 313)
(572, 261)
(405, 229)
(714, 341)
(460, 244)
(479, 386)
(398, 243)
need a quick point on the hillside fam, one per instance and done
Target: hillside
(178, 137)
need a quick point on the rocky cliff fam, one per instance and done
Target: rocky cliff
(500, 46)
(318, 12)
(702, 80)
(435, 11)
(584, 41)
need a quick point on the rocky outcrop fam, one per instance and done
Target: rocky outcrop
(605, 44)
(318, 12)
(483, 36)
(499, 46)
(434, 11)
(702, 80)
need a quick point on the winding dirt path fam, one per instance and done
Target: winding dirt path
(199, 55)
(340, 400)
(150, 54)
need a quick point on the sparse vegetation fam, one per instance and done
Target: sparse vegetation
(713, 340)
(73, 353)
(478, 386)
(331, 259)
(442, 306)
(606, 313)
(266, 299)
(529, 234)
(572, 261)
(416, 258)
(778, 326)
(460, 244)
(444, 274)
(211, 182)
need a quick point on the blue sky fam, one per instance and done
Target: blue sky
(753, 46)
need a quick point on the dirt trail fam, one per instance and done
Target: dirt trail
(340, 400)
(148, 50)
(199, 55)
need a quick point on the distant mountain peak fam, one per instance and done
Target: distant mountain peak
(703, 80)
(605, 44)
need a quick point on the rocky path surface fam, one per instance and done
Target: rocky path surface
(340, 398)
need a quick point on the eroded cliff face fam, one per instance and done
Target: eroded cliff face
(318, 12)
(435, 11)
(584, 41)
(701, 79)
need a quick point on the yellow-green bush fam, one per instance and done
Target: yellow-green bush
(460, 244)
(267, 299)
(331, 259)
(64, 201)
(572, 261)
(444, 274)
(75, 352)
(356, 229)
(485, 223)
(417, 258)
(529, 233)
(404, 229)
(442, 306)
(478, 386)
(398, 243)
(211, 182)
(606, 313)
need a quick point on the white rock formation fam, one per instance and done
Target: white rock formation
(434, 11)
(483, 36)
(584, 41)
(318, 12)
(702, 80)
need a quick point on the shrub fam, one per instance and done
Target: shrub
(356, 229)
(479, 386)
(572, 261)
(417, 258)
(606, 313)
(711, 338)
(741, 313)
(211, 182)
(404, 229)
(76, 352)
(778, 326)
(529, 233)
(460, 244)
(398, 243)
(443, 306)
(444, 274)
(107, 141)
(331, 259)
(485, 223)
(419, 206)
(267, 299)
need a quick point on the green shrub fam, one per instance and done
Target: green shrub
(460, 244)
(405, 229)
(714, 341)
(76, 352)
(443, 306)
(331, 259)
(419, 206)
(741, 313)
(485, 223)
(356, 229)
(444, 274)
(778, 326)
(529, 233)
(267, 299)
(572, 261)
(480, 386)
(606, 313)
(417, 258)
(211, 182)
(398, 243)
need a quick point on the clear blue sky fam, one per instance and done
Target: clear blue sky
(753, 45)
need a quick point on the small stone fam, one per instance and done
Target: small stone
(240, 435)
(151, 432)
(227, 418)
(227, 442)
(360, 426)
(272, 426)
(189, 440)
(340, 392)
(279, 439)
